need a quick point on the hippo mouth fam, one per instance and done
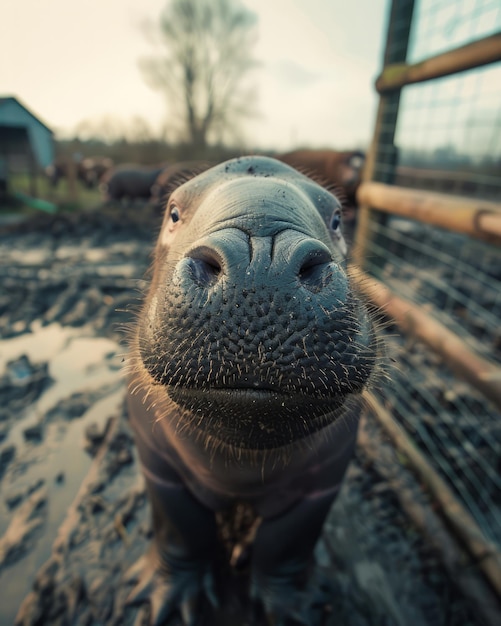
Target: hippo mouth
(255, 418)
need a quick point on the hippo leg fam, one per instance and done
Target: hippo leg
(176, 574)
(282, 556)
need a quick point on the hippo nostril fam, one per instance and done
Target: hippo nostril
(205, 264)
(312, 273)
(314, 261)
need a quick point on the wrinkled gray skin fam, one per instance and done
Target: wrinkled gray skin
(247, 365)
(129, 182)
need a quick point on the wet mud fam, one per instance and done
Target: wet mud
(73, 511)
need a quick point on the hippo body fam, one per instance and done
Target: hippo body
(129, 182)
(246, 371)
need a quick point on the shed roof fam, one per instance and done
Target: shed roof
(9, 99)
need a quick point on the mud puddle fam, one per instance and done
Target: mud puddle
(43, 445)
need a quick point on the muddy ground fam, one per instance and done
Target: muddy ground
(73, 512)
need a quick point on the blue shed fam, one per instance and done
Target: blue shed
(22, 134)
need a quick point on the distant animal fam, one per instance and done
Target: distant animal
(61, 168)
(247, 367)
(341, 170)
(129, 182)
(92, 170)
(86, 170)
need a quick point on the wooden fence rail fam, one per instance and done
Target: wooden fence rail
(473, 217)
(412, 320)
(482, 52)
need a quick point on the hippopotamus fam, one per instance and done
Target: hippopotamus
(129, 181)
(246, 371)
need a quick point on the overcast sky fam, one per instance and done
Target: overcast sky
(74, 60)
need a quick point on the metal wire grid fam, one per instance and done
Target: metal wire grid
(458, 280)
(448, 134)
(444, 135)
(459, 276)
(457, 429)
(440, 25)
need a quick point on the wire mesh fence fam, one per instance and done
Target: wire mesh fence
(443, 135)
(449, 134)
(440, 25)
(451, 277)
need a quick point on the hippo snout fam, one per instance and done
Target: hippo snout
(251, 318)
(232, 257)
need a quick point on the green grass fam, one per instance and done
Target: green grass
(60, 196)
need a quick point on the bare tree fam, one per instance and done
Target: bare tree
(206, 53)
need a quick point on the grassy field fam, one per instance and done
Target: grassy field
(19, 187)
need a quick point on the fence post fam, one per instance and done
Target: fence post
(382, 157)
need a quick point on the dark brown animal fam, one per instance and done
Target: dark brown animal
(88, 171)
(337, 170)
(92, 170)
(64, 167)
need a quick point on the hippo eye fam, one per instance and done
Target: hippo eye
(174, 214)
(335, 221)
